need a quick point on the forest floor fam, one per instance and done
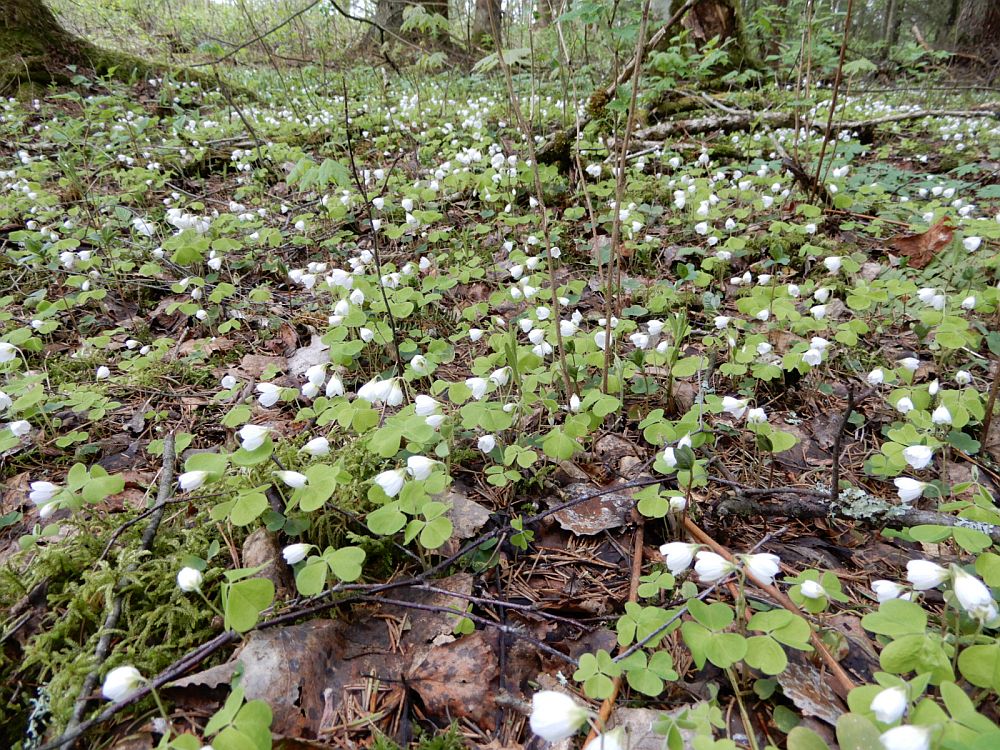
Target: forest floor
(373, 328)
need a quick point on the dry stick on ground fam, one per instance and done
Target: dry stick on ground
(111, 621)
(633, 595)
(843, 679)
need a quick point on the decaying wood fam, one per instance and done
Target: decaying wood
(745, 119)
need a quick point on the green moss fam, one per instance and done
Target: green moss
(158, 622)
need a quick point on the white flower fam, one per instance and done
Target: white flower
(923, 574)
(43, 492)
(574, 403)
(316, 375)
(7, 351)
(701, 227)
(189, 579)
(764, 348)
(486, 443)
(678, 555)
(933, 387)
(818, 311)
(613, 740)
(475, 334)
(382, 392)
(295, 553)
(756, 416)
(906, 737)
(391, 481)
(601, 339)
(103, 373)
(969, 303)
(425, 405)
(334, 386)
(317, 447)
(721, 321)
(434, 421)
(420, 364)
(555, 716)
(763, 565)
(120, 683)
(5, 401)
(639, 340)
(19, 428)
(819, 343)
(876, 377)
(941, 415)
(822, 294)
(972, 243)
(904, 405)
(420, 467)
(886, 590)
(833, 263)
(191, 480)
(733, 406)
(812, 590)
(228, 382)
(813, 357)
(889, 705)
(711, 567)
(973, 595)
(269, 394)
(909, 363)
(669, 457)
(918, 456)
(763, 315)
(293, 479)
(678, 503)
(310, 391)
(500, 377)
(909, 489)
(963, 377)
(252, 436)
(478, 387)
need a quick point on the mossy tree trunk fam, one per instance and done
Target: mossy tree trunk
(35, 48)
(719, 18)
(488, 13)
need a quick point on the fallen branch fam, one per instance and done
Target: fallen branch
(843, 679)
(893, 516)
(746, 119)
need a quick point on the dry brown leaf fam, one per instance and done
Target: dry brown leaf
(205, 346)
(454, 679)
(610, 511)
(802, 684)
(922, 248)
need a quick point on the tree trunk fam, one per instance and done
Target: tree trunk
(717, 18)
(389, 13)
(35, 48)
(487, 14)
(891, 22)
(979, 27)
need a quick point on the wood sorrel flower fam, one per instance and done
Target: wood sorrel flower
(121, 682)
(555, 716)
